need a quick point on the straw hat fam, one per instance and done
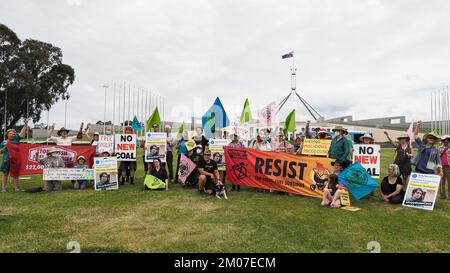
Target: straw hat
(338, 128)
(431, 134)
(445, 137)
(81, 157)
(366, 135)
(404, 136)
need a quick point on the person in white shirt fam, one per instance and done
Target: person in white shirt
(63, 139)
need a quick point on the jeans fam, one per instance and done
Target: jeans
(169, 163)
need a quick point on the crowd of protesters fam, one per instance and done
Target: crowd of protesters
(430, 158)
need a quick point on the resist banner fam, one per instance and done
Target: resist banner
(369, 157)
(422, 191)
(304, 175)
(318, 147)
(23, 156)
(126, 147)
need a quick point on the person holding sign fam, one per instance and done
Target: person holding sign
(127, 167)
(445, 158)
(169, 155)
(428, 159)
(391, 188)
(51, 161)
(209, 175)
(331, 195)
(63, 138)
(403, 156)
(13, 137)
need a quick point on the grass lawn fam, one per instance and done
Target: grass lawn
(179, 220)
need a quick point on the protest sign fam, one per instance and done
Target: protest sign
(126, 147)
(23, 160)
(345, 196)
(304, 175)
(153, 183)
(190, 145)
(105, 173)
(243, 132)
(186, 168)
(68, 174)
(155, 146)
(106, 144)
(217, 152)
(370, 158)
(350, 208)
(318, 147)
(422, 191)
(356, 179)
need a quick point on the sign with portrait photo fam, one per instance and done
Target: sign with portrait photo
(217, 152)
(155, 146)
(105, 173)
(422, 191)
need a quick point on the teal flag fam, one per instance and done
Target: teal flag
(137, 126)
(357, 181)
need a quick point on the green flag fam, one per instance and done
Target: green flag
(246, 115)
(181, 128)
(289, 123)
(154, 118)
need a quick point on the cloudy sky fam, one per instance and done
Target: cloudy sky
(366, 58)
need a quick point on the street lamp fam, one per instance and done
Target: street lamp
(104, 112)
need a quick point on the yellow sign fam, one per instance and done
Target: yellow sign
(316, 147)
(345, 197)
(351, 208)
(190, 145)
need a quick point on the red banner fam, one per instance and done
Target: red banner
(304, 175)
(23, 156)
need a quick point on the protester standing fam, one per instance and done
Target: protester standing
(403, 156)
(339, 148)
(171, 142)
(182, 150)
(445, 158)
(428, 159)
(200, 139)
(235, 143)
(63, 138)
(11, 137)
(127, 169)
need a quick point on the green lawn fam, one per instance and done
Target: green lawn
(179, 220)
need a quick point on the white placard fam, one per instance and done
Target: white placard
(106, 144)
(370, 158)
(422, 191)
(105, 173)
(125, 147)
(68, 174)
(155, 146)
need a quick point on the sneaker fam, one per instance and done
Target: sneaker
(17, 190)
(3, 190)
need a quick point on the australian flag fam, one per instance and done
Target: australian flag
(288, 55)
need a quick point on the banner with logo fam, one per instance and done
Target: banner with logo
(106, 144)
(217, 152)
(186, 168)
(422, 191)
(105, 173)
(155, 146)
(68, 174)
(23, 156)
(125, 147)
(153, 183)
(318, 147)
(356, 179)
(304, 175)
(370, 158)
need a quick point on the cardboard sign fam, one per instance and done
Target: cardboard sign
(350, 208)
(345, 197)
(422, 191)
(68, 174)
(155, 146)
(369, 156)
(105, 144)
(217, 152)
(105, 173)
(318, 147)
(126, 147)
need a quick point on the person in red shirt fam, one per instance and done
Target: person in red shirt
(445, 158)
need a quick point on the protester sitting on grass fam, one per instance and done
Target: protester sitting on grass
(80, 184)
(337, 167)
(158, 171)
(391, 188)
(12, 137)
(51, 161)
(339, 148)
(63, 138)
(428, 158)
(403, 155)
(331, 195)
(445, 158)
(209, 175)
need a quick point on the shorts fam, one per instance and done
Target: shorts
(5, 166)
(124, 165)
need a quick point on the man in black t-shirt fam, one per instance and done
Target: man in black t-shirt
(209, 175)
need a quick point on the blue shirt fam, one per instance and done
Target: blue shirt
(16, 139)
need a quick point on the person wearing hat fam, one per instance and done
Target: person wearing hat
(428, 157)
(127, 169)
(339, 148)
(11, 137)
(367, 139)
(445, 158)
(322, 133)
(403, 156)
(280, 143)
(63, 138)
(80, 184)
(51, 161)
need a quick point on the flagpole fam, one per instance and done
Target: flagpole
(124, 105)
(104, 111)
(118, 101)
(114, 109)
(129, 103)
(6, 99)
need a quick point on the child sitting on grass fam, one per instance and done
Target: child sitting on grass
(80, 184)
(331, 195)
